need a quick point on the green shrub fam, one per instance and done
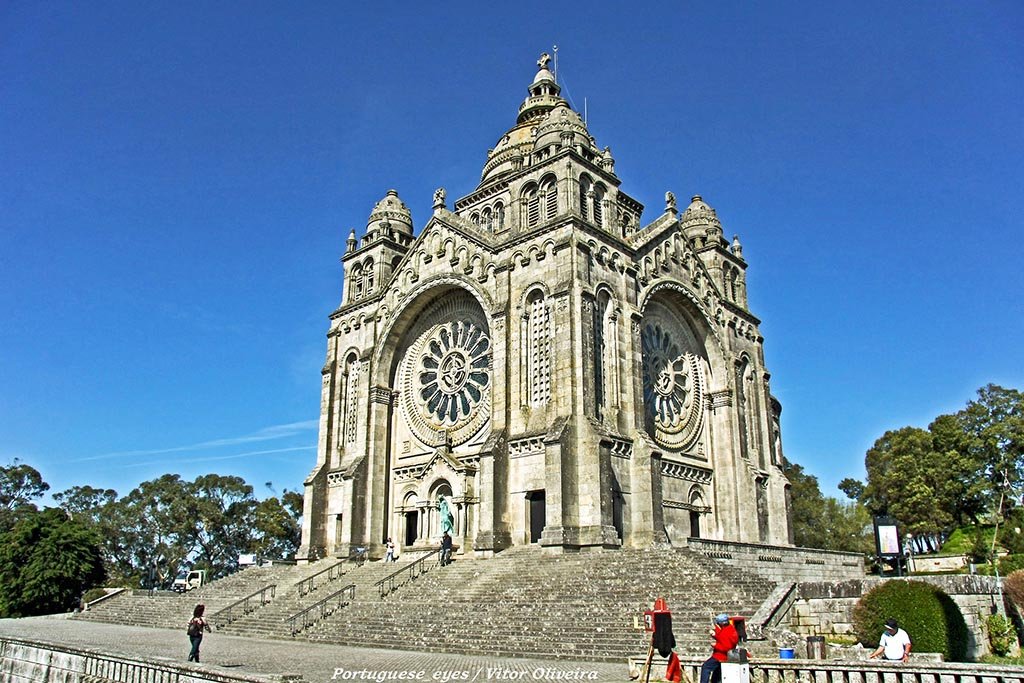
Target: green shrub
(928, 615)
(1010, 564)
(93, 594)
(1001, 634)
(1014, 587)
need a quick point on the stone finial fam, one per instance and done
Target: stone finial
(737, 248)
(350, 243)
(542, 63)
(670, 203)
(439, 198)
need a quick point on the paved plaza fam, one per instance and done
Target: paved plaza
(316, 662)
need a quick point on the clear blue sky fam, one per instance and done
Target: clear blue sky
(177, 181)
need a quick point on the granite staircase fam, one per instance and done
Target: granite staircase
(521, 603)
(167, 609)
(272, 620)
(526, 603)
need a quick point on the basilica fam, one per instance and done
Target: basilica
(538, 365)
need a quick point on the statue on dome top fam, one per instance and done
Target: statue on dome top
(542, 63)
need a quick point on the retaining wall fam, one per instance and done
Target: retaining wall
(784, 563)
(826, 608)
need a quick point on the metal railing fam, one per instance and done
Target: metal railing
(321, 610)
(411, 572)
(244, 606)
(333, 573)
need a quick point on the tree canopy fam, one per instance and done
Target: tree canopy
(948, 475)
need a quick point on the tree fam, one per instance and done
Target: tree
(47, 560)
(85, 500)
(906, 478)
(224, 521)
(964, 489)
(824, 522)
(277, 527)
(994, 428)
(20, 484)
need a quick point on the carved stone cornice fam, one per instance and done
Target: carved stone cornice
(619, 448)
(720, 399)
(677, 470)
(382, 395)
(521, 448)
(680, 505)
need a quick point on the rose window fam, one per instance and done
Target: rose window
(453, 373)
(672, 388)
(447, 379)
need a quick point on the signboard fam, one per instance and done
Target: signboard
(887, 537)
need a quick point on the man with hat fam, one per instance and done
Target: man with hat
(725, 638)
(894, 645)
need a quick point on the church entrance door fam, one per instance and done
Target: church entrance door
(411, 528)
(536, 514)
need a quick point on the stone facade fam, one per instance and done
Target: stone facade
(558, 372)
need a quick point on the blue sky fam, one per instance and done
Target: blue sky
(177, 182)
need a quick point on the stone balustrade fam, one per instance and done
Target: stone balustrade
(783, 563)
(23, 661)
(854, 671)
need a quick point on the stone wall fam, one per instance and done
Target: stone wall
(23, 661)
(783, 563)
(826, 608)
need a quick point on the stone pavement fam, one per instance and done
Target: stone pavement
(316, 662)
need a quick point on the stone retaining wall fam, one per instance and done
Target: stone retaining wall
(826, 608)
(23, 661)
(783, 563)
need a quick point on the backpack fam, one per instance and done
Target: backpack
(194, 629)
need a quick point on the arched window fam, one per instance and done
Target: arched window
(586, 196)
(368, 276)
(538, 349)
(485, 219)
(549, 190)
(356, 285)
(531, 207)
(499, 217)
(601, 349)
(351, 398)
(598, 197)
(476, 219)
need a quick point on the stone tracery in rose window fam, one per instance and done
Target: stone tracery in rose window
(446, 374)
(673, 387)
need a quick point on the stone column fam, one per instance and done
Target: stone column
(378, 502)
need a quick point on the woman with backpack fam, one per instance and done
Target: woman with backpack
(196, 626)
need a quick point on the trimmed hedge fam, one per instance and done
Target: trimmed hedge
(928, 615)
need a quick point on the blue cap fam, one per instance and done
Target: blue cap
(722, 619)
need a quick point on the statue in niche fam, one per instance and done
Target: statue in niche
(445, 514)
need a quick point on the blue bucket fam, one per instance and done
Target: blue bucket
(787, 653)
